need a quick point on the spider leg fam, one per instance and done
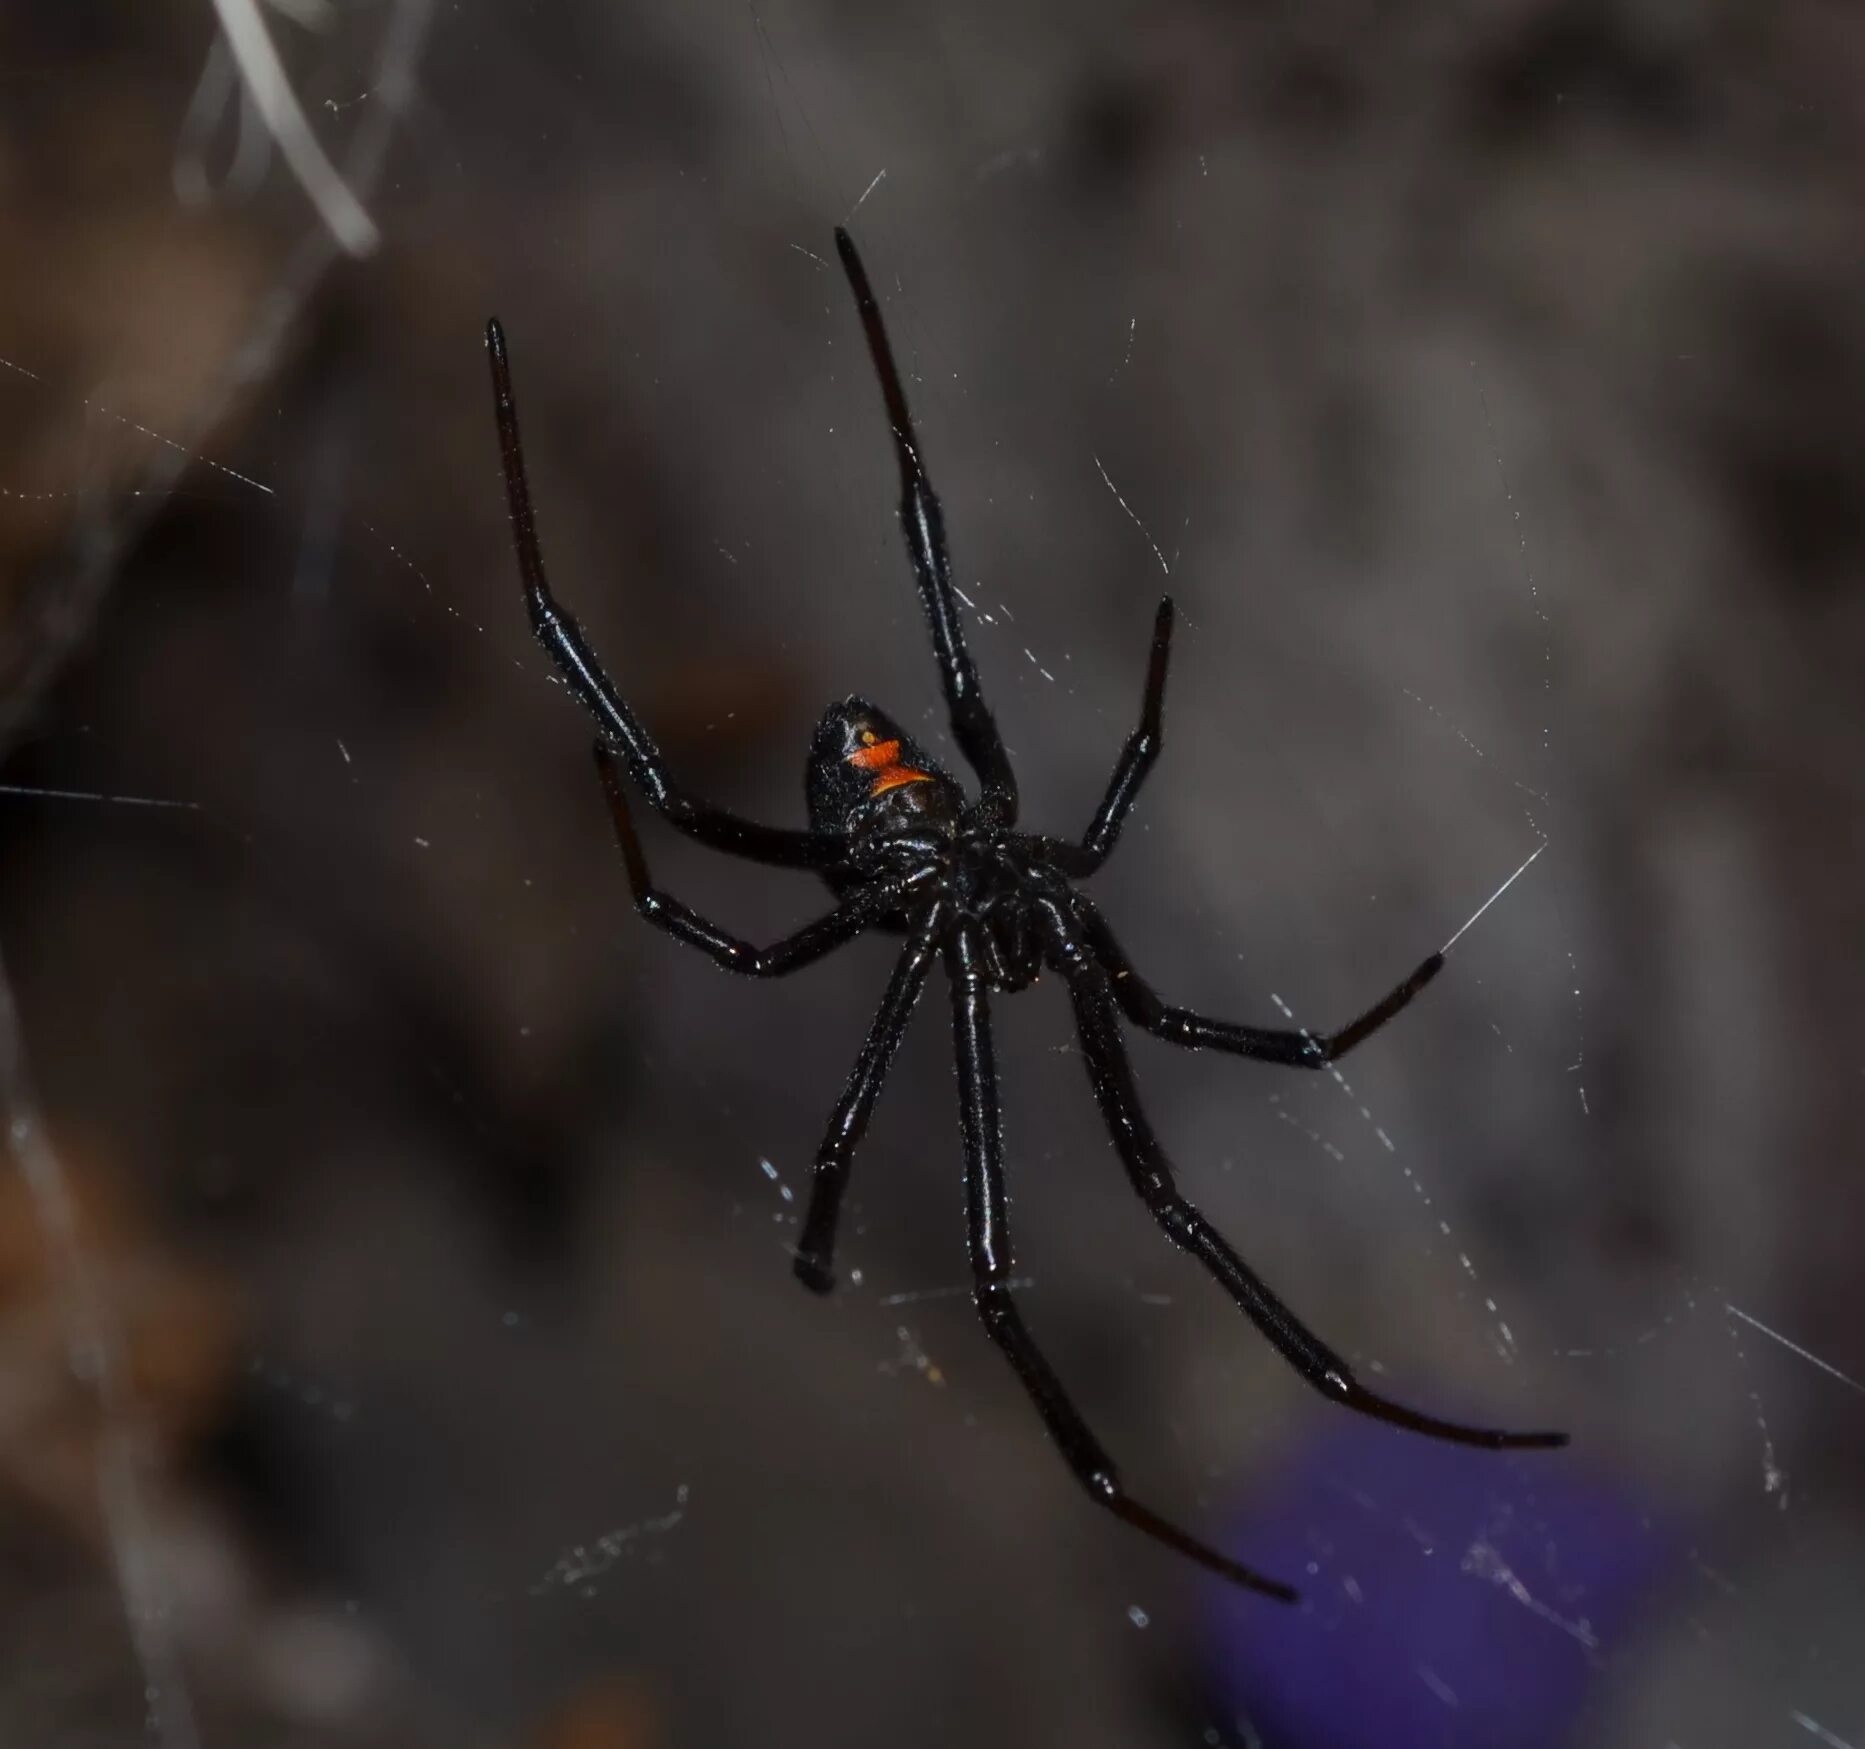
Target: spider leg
(1138, 755)
(815, 1253)
(987, 1227)
(1290, 1047)
(559, 633)
(792, 953)
(1097, 1023)
(973, 726)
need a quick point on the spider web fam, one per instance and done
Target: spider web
(408, 1349)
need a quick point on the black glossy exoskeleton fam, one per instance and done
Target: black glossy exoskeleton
(905, 849)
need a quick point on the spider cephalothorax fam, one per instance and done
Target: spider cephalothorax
(904, 850)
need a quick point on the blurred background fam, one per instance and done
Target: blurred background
(398, 1342)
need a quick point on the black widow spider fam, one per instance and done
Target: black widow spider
(904, 850)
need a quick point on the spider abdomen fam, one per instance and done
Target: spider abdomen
(867, 776)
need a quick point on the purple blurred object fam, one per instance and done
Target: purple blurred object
(1450, 1597)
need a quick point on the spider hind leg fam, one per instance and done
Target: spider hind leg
(923, 523)
(559, 633)
(1140, 752)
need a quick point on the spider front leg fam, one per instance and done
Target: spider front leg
(923, 523)
(815, 1253)
(559, 633)
(1291, 1048)
(992, 1264)
(684, 924)
(1097, 1023)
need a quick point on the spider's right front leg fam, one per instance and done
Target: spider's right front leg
(559, 633)
(987, 1212)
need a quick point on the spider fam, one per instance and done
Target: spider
(905, 850)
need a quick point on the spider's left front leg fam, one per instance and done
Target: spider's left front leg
(1097, 1024)
(987, 1215)
(683, 923)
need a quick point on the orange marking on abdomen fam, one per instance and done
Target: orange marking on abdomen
(877, 757)
(883, 759)
(894, 776)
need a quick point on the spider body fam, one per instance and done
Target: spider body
(901, 815)
(905, 850)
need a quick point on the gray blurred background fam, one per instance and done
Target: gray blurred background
(1491, 383)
